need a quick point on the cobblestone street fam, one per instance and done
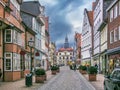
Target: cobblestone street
(67, 80)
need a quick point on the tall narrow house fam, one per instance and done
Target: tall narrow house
(86, 38)
(113, 35)
(99, 46)
(11, 39)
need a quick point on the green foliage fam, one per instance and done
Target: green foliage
(39, 72)
(81, 67)
(54, 67)
(92, 70)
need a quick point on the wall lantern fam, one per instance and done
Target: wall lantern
(37, 54)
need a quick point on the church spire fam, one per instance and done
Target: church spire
(66, 44)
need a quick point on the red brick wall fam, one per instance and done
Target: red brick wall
(1, 11)
(111, 26)
(12, 76)
(12, 48)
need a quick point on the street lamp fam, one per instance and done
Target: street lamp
(30, 44)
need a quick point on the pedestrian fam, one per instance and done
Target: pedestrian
(74, 67)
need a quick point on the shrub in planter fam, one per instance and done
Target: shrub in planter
(40, 75)
(54, 69)
(92, 71)
(58, 69)
(82, 69)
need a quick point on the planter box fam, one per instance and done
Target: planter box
(53, 72)
(45, 77)
(92, 77)
(83, 71)
(39, 79)
(58, 70)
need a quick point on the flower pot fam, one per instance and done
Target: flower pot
(39, 79)
(92, 77)
(83, 71)
(45, 77)
(58, 70)
(53, 72)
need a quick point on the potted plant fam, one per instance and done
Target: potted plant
(82, 69)
(40, 75)
(54, 69)
(92, 72)
(58, 69)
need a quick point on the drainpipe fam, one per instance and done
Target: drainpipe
(3, 33)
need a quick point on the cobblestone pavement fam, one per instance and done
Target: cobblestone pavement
(20, 84)
(98, 84)
(67, 80)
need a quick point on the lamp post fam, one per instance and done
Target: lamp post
(30, 44)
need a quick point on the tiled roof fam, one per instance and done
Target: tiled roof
(90, 16)
(31, 7)
(65, 49)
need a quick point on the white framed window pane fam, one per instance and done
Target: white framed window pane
(115, 35)
(8, 61)
(8, 64)
(111, 15)
(119, 7)
(16, 61)
(8, 35)
(111, 37)
(115, 11)
(119, 32)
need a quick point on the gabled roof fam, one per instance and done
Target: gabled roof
(90, 17)
(31, 7)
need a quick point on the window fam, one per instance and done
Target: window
(27, 61)
(8, 36)
(8, 61)
(111, 15)
(12, 36)
(119, 7)
(115, 34)
(59, 53)
(119, 32)
(111, 36)
(115, 11)
(16, 61)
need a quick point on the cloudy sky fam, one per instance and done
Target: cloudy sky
(65, 18)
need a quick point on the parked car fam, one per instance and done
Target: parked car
(112, 81)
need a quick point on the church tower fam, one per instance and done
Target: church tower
(66, 44)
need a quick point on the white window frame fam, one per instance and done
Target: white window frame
(115, 11)
(115, 35)
(111, 15)
(6, 36)
(10, 61)
(16, 62)
(119, 7)
(27, 61)
(119, 32)
(111, 38)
